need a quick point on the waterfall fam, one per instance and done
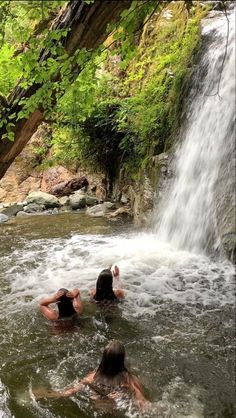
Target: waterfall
(188, 215)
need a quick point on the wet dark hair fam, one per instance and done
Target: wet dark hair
(112, 371)
(104, 290)
(65, 305)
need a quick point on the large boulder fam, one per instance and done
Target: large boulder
(64, 201)
(22, 213)
(96, 211)
(12, 210)
(91, 200)
(100, 210)
(67, 187)
(77, 200)
(41, 198)
(3, 218)
(34, 207)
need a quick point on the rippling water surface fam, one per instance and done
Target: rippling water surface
(176, 322)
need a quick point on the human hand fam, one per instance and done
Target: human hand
(73, 293)
(116, 271)
(57, 295)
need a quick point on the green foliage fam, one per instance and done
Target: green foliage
(9, 74)
(125, 103)
(110, 115)
(155, 84)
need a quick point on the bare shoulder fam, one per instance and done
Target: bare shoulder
(135, 382)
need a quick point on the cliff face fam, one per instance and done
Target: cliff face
(226, 200)
(28, 173)
(25, 175)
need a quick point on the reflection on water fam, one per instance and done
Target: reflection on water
(176, 321)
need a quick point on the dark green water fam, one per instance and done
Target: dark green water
(177, 322)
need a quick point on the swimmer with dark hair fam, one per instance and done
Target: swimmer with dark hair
(104, 287)
(111, 381)
(68, 303)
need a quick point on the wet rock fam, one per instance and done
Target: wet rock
(54, 211)
(225, 195)
(65, 208)
(67, 187)
(22, 213)
(12, 210)
(3, 218)
(124, 199)
(229, 245)
(45, 199)
(97, 211)
(124, 211)
(109, 205)
(78, 200)
(91, 200)
(64, 201)
(34, 207)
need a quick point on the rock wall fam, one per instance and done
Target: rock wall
(226, 199)
(26, 174)
(146, 190)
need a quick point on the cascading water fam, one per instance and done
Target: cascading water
(188, 218)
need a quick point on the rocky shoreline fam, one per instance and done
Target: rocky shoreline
(39, 202)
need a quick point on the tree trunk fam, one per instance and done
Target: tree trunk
(87, 23)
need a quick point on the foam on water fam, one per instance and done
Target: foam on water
(151, 271)
(4, 398)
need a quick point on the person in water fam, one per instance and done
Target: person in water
(112, 380)
(68, 304)
(104, 287)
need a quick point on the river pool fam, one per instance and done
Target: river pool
(177, 321)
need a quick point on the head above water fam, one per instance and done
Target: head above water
(65, 305)
(104, 290)
(63, 297)
(112, 363)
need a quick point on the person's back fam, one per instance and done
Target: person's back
(110, 381)
(104, 292)
(112, 378)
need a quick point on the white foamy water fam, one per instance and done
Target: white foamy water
(4, 398)
(188, 217)
(151, 271)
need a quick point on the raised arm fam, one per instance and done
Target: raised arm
(77, 303)
(48, 312)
